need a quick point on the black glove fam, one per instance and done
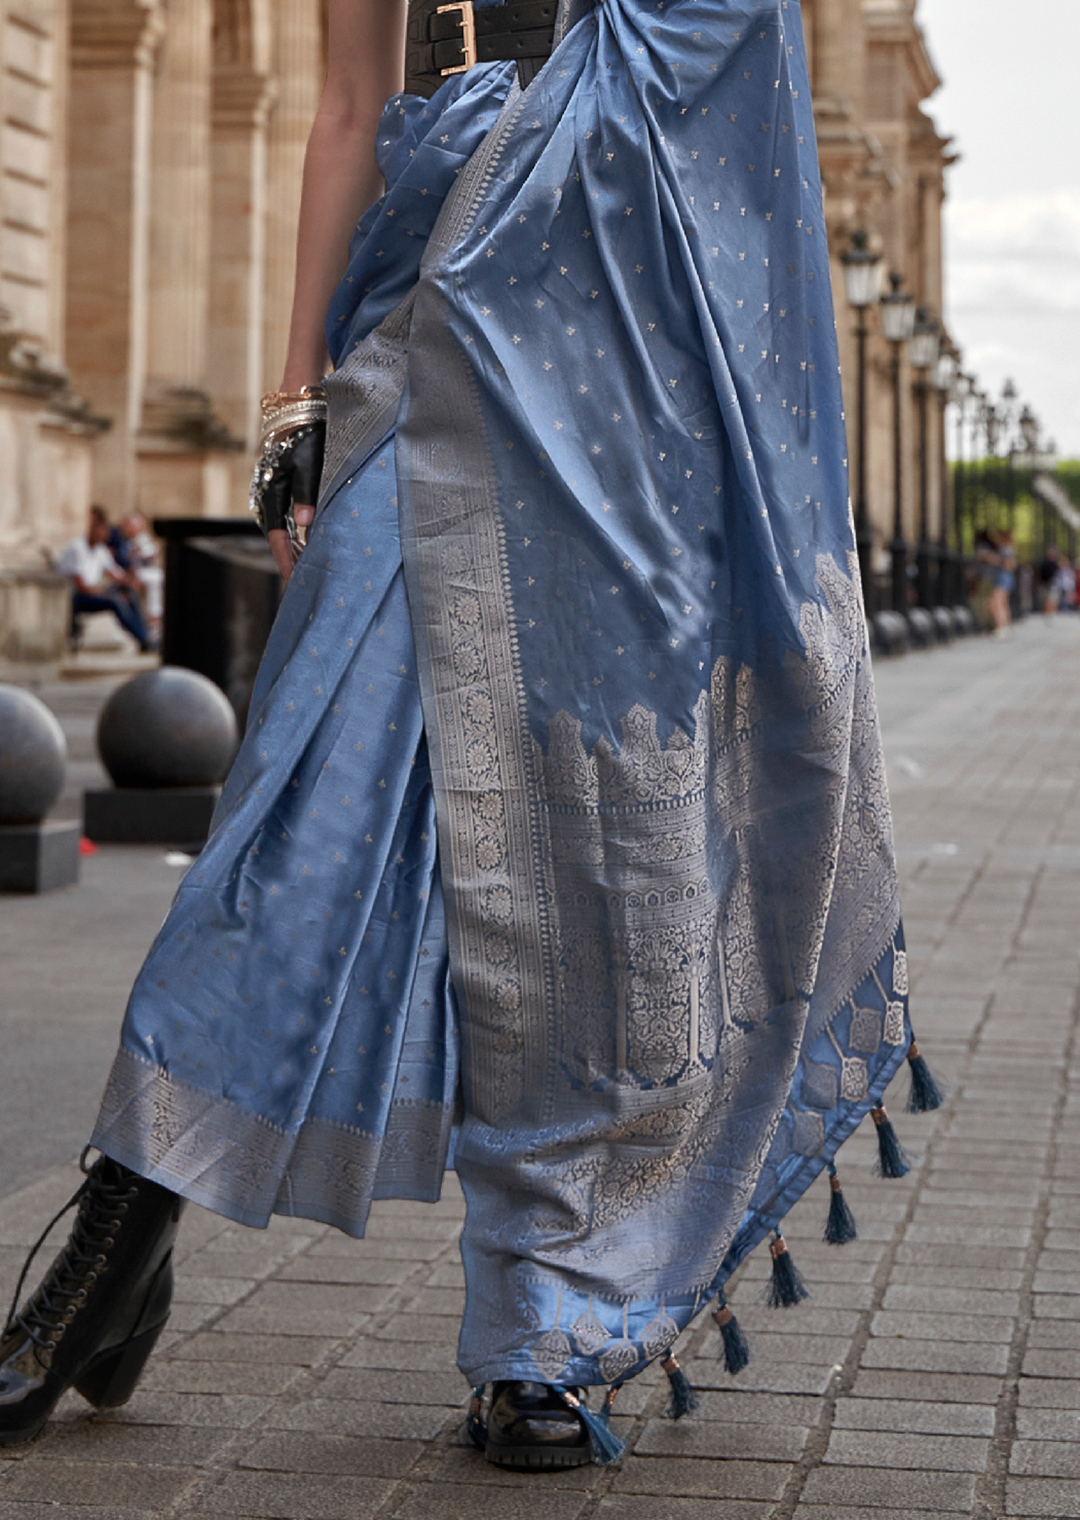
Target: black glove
(288, 471)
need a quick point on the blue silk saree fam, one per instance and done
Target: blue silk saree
(558, 847)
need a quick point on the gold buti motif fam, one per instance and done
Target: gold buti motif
(551, 1352)
(617, 1360)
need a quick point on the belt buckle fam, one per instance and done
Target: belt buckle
(468, 35)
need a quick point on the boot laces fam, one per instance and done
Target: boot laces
(101, 1205)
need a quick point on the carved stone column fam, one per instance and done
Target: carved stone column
(113, 44)
(298, 67)
(182, 467)
(242, 93)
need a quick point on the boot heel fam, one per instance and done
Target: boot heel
(110, 1378)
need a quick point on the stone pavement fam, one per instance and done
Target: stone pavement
(936, 1370)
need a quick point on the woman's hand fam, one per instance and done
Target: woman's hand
(285, 549)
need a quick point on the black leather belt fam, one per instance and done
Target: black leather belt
(446, 39)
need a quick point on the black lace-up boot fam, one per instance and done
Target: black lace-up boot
(94, 1318)
(531, 1426)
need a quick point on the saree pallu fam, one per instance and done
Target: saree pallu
(580, 601)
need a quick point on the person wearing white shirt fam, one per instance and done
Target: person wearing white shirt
(97, 581)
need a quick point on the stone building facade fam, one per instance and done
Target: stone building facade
(150, 162)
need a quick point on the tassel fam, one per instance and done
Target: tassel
(683, 1398)
(926, 1093)
(786, 1286)
(736, 1351)
(609, 1403)
(606, 1446)
(840, 1225)
(893, 1159)
(475, 1428)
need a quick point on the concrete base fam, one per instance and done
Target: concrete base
(164, 815)
(38, 857)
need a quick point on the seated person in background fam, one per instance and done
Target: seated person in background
(98, 584)
(141, 558)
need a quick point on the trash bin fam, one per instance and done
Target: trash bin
(222, 590)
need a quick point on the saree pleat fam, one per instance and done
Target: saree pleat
(582, 600)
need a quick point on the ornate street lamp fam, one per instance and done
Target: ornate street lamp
(898, 324)
(861, 276)
(923, 350)
(962, 392)
(948, 573)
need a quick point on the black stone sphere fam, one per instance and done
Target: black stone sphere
(33, 757)
(167, 727)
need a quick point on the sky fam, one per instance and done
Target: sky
(1011, 102)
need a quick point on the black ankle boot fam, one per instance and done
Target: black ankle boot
(94, 1319)
(530, 1426)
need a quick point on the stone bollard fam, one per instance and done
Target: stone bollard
(167, 738)
(36, 855)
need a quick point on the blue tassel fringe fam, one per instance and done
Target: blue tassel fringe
(736, 1350)
(606, 1446)
(893, 1160)
(786, 1286)
(926, 1092)
(683, 1399)
(840, 1226)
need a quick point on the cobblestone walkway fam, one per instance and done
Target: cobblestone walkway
(936, 1370)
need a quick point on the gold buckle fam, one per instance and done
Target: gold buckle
(468, 35)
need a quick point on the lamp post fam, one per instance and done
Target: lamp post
(861, 287)
(961, 395)
(945, 379)
(898, 324)
(923, 352)
(1028, 424)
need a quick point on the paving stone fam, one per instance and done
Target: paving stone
(760, 1377)
(1048, 1424)
(1045, 1459)
(220, 1412)
(1041, 1362)
(873, 1487)
(282, 1496)
(677, 1476)
(640, 1507)
(1049, 1393)
(107, 1438)
(277, 1350)
(353, 1417)
(463, 1469)
(996, 1329)
(400, 1356)
(920, 1452)
(1054, 1334)
(301, 1452)
(252, 1319)
(922, 1299)
(846, 1512)
(431, 1503)
(428, 1329)
(936, 1356)
(757, 1408)
(47, 1479)
(252, 1379)
(341, 1269)
(210, 1290)
(435, 1388)
(931, 1387)
(913, 1415)
(690, 1438)
(1049, 1497)
(1055, 1306)
(15, 1510)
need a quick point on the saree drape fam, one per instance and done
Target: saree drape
(581, 600)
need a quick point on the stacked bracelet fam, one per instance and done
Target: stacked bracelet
(285, 411)
(290, 455)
